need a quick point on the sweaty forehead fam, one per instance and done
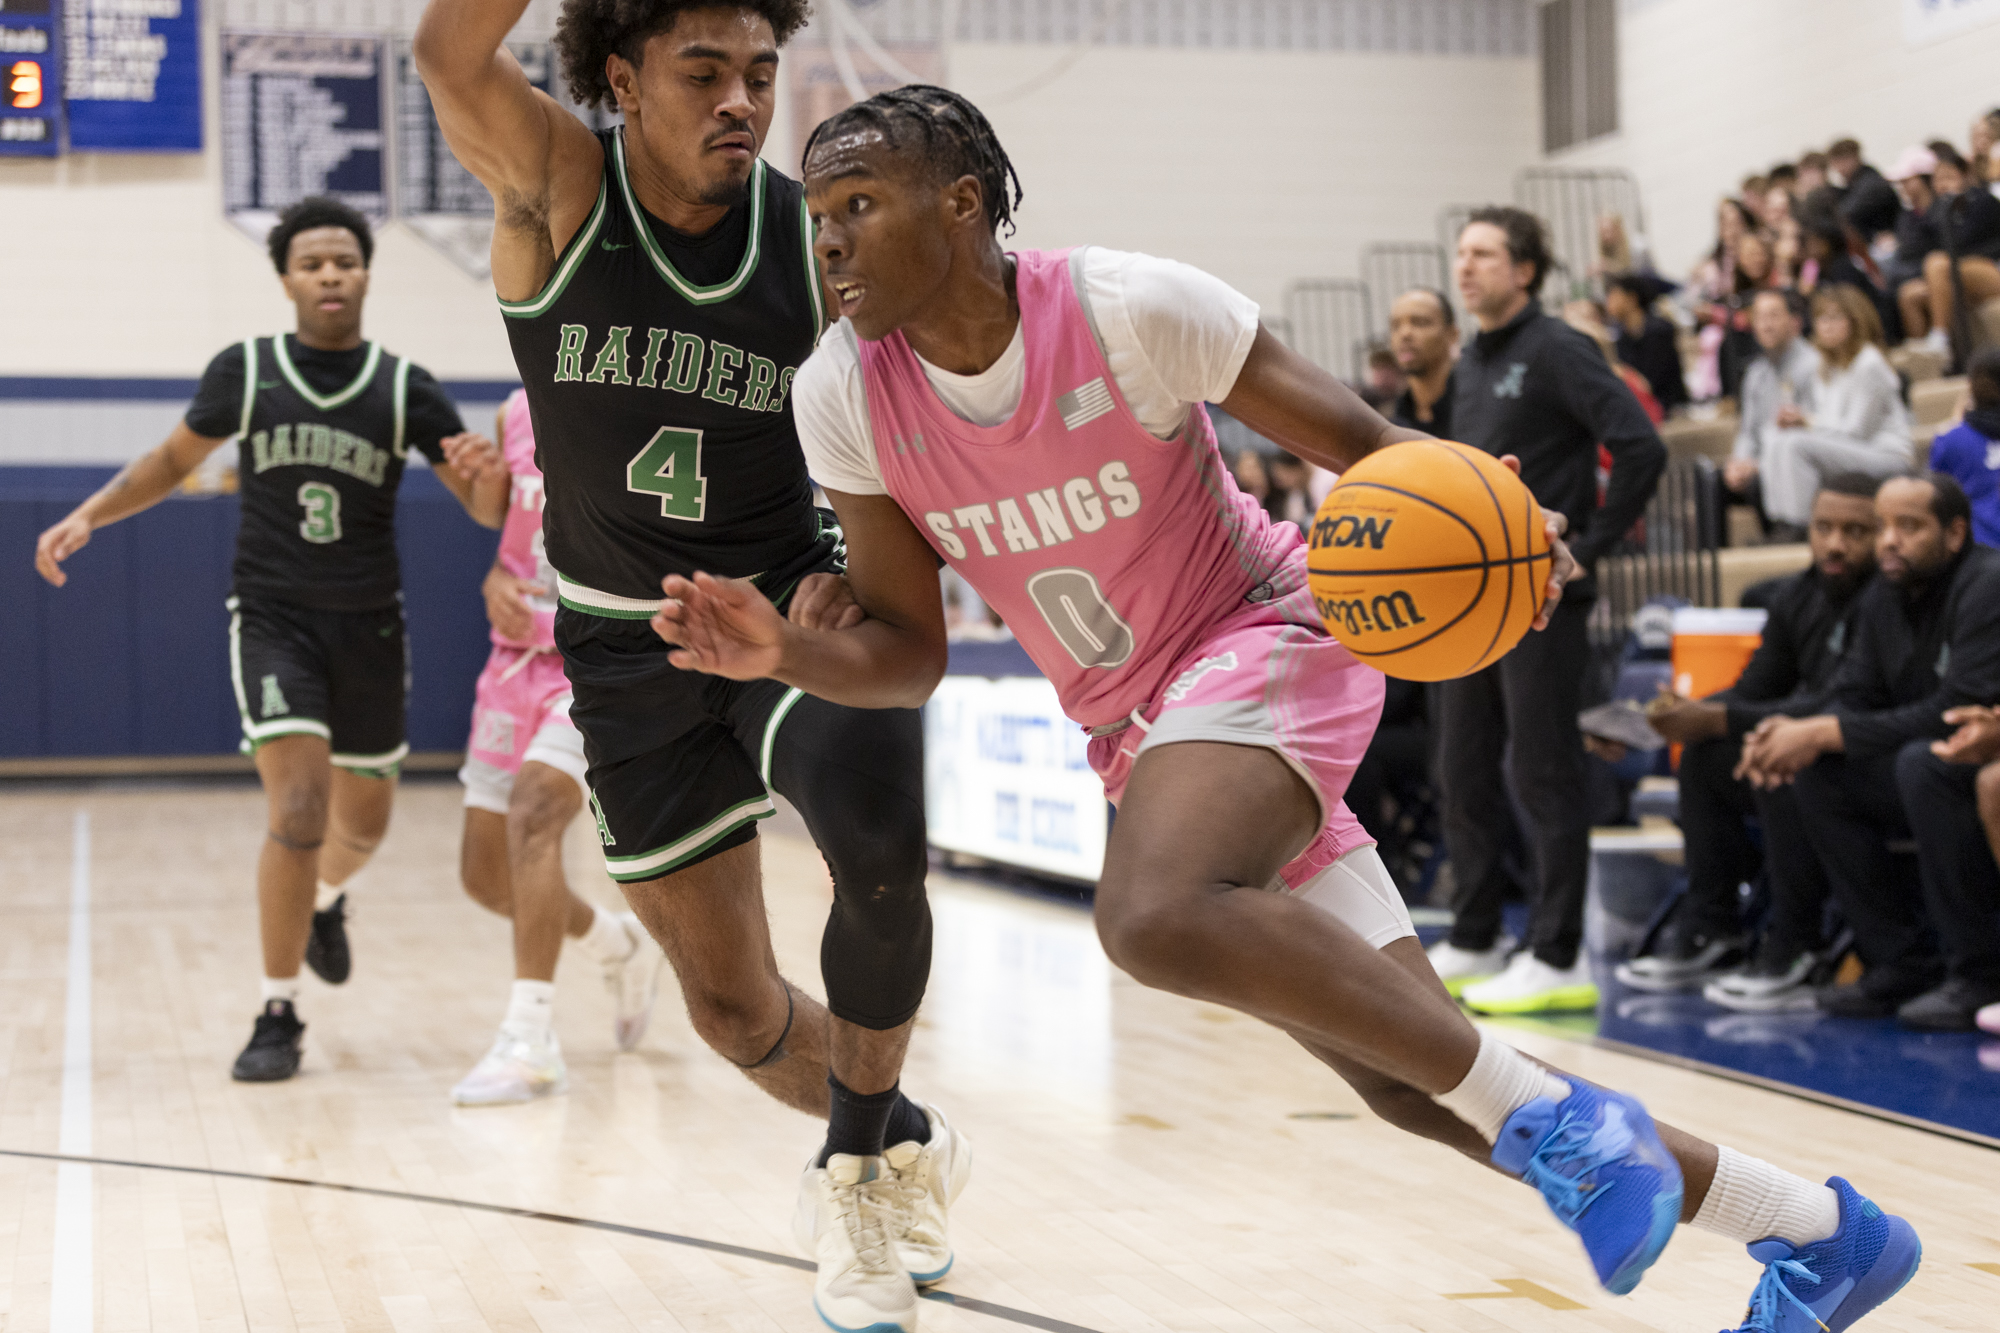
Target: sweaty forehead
(863, 150)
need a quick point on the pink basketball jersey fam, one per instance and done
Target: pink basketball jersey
(1109, 552)
(521, 550)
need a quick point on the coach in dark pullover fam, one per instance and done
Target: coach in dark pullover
(1810, 626)
(1927, 639)
(1530, 385)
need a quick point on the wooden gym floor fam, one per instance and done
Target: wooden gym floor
(1143, 1163)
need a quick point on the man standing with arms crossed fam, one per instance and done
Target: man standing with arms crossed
(660, 294)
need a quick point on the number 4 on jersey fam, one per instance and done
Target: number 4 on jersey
(670, 467)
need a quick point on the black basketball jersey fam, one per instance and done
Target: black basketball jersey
(318, 474)
(662, 404)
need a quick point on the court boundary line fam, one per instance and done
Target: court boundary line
(972, 1304)
(1828, 1099)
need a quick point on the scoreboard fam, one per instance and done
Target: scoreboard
(31, 103)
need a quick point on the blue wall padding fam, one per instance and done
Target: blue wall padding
(132, 657)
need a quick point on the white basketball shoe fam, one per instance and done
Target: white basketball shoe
(927, 1180)
(846, 1221)
(517, 1069)
(633, 981)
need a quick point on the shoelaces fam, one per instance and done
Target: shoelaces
(1767, 1301)
(1567, 1196)
(866, 1219)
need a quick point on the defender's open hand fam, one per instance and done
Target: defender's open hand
(724, 627)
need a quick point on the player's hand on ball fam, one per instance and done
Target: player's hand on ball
(724, 627)
(1563, 568)
(58, 544)
(825, 601)
(471, 455)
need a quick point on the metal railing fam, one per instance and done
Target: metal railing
(1390, 268)
(1329, 319)
(1672, 553)
(1569, 201)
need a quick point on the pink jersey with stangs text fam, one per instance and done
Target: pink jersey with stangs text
(521, 550)
(1109, 552)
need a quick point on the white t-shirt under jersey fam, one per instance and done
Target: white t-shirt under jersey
(1174, 335)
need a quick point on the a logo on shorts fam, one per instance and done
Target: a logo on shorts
(274, 704)
(1190, 678)
(493, 732)
(603, 829)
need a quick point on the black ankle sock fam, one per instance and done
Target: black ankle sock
(907, 1124)
(857, 1122)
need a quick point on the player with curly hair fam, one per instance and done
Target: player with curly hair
(660, 292)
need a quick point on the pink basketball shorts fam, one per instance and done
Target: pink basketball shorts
(1270, 676)
(520, 712)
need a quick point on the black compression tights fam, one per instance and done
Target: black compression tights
(856, 775)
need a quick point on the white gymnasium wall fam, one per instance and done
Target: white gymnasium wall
(1260, 166)
(1193, 133)
(1712, 90)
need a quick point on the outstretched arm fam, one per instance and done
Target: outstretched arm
(891, 659)
(140, 484)
(540, 163)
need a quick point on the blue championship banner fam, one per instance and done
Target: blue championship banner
(30, 80)
(132, 75)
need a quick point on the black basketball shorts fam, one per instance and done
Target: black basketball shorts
(343, 675)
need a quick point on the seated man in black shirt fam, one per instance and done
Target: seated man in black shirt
(1423, 337)
(1927, 639)
(1811, 623)
(1646, 342)
(324, 420)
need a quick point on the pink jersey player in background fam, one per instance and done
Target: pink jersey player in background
(1036, 419)
(524, 783)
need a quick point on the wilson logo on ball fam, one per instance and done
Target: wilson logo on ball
(1429, 560)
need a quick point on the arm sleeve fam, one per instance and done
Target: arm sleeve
(429, 415)
(1179, 331)
(217, 409)
(830, 411)
(1595, 396)
(1971, 676)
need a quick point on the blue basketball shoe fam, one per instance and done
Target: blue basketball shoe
(1599, 1163)
(1827, 1285)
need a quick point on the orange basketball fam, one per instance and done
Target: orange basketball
(1429, 560)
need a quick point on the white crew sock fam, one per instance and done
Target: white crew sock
(281, 988)
(607, 940)
(1500, 1082)
(1752, 1200)
(530, 1008)
(324, 896)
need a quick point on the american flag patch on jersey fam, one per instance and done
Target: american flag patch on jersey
(1086, 403)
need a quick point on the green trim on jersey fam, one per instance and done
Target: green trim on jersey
(812, 271)
(580, 597)
(722, 291)
(572, 259)
(249, 384)
(399, 394)
(662, 860)
(326, 402)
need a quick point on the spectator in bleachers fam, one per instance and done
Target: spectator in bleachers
(1286, 497)
(1856, 421)
(1812, 175)
(1423, 337)
(1867, 201)
(1985, 155)
(1829, 259)
(1618, 251)
(1529, 385)
(1383, 382)
(1970, 451)
(1791, 674)
(1645, 341)
(1967, 219)
(1718, 290)
(1916, 238)
(1782, 380)
(1392, 789)
(1927, 639)
(1587, 317)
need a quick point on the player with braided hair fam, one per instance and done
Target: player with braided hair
(953, 139)
(1035, 419)
(660, 293)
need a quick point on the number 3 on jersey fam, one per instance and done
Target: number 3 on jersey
(322, 505)
(670, 467)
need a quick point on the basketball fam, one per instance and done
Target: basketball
(1429, 560)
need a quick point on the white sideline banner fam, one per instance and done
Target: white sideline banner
(1006, 777)
(1927, 21)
